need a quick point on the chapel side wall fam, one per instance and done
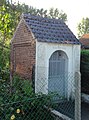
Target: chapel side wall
(44, 52)
(77, 52)
(23, 48)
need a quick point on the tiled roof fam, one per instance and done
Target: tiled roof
(85, 36)
(85, 40)
(50, 30)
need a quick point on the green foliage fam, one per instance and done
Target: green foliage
(18, 101)
(4, 57)
(83, 26)
(8, 21)
(85, 71)
(21, 87)
(51, 13)
(54, 13)
(4, 74)
(85, 61)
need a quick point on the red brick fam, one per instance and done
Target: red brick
(23, 47)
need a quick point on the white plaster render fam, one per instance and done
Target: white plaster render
(44, 52)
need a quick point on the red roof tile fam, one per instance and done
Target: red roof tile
(85, 40)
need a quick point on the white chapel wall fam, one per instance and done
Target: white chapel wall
(44, 52)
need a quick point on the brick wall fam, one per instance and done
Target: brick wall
(23, 47)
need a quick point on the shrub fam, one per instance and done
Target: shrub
(85, 71)
(18, 101)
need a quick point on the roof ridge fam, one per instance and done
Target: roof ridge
(35, 17)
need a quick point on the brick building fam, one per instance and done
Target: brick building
(85, 41)
(47, 44)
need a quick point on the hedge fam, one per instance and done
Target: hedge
(85, 71)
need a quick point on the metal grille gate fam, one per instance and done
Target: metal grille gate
(57, 70)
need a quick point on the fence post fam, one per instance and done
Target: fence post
(77, 96)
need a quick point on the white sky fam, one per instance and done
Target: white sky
(75, 9)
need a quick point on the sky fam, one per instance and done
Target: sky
(75, 9)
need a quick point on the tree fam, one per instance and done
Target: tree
(51, 13)
(83, 26)
(5, 24)
(8, 22)
(54, 13)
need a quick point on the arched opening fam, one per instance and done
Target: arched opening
(58, 71)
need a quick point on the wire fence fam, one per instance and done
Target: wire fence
(47, 100)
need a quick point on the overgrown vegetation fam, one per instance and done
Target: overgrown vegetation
(85, 71)
(19, 102)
